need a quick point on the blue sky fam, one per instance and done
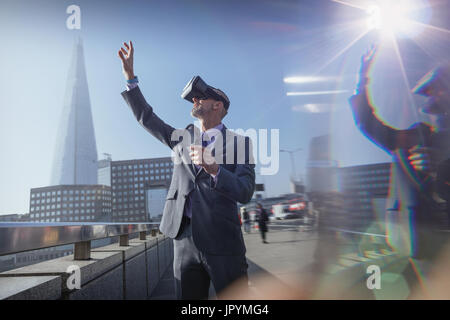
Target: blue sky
(245, 48)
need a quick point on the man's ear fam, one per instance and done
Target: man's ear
(218, 104)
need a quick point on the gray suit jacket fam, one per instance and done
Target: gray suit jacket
(215, 223)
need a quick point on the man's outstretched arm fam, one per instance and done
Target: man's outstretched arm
(363, 111)
(136, 101)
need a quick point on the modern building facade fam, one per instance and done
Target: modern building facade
(14, 217)
(71, 203)
(104, 171)
(75, 157)
(360, 186)
(131, 180)
(321, 170)
(155, 200)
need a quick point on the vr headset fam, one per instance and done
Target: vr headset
(197, 88)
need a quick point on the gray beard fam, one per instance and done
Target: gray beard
(197, 112)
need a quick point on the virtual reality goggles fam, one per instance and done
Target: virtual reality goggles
(197, 88)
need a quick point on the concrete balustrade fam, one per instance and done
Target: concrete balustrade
(115, 272)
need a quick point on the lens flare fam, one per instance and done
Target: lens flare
(397, 17)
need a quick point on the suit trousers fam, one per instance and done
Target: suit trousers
(194, 270)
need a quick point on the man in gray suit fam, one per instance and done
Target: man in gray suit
(213, 170)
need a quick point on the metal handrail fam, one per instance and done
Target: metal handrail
(358, 232)
(16, 237)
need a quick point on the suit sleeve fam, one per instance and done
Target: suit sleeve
(240, 184)
(147, 118)
(381, 134)
(369, 124)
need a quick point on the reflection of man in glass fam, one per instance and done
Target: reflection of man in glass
(414, 208)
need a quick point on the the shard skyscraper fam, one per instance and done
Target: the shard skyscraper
(75, 158)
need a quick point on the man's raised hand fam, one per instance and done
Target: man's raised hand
(126, 55)
(367, 60)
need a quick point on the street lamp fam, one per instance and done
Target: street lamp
(291, 153)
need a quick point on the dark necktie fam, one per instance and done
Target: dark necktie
(206, 142)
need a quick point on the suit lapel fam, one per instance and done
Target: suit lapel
(194, 133)
(224, 144)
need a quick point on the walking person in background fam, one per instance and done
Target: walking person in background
(246, 219)
(263, 217)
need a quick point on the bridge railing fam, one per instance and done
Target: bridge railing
(16, 237)
(129, 268)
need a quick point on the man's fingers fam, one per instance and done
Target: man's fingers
(419, 148)
(416, 156)
(131, 46)
(373, 51)
(413, 148)
(124, 51)
(121, 56)
(419, 162)
(126, 45)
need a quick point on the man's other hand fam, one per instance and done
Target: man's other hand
(202, 156)
(420, 159)
(126, 55)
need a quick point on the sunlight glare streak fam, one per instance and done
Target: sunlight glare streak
(405, 79)
(307, 79)
(349, 4)
(428, 26)
(313, 93)
(343, 50)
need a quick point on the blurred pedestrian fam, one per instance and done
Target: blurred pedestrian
(246, 219)
(263, 217)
